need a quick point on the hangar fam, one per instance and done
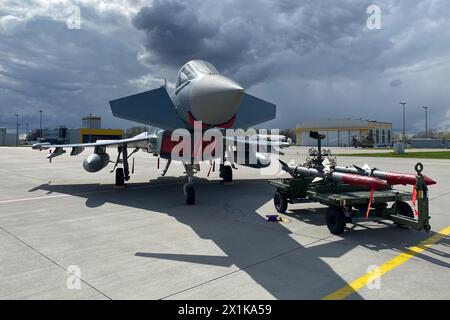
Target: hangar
(340, 132)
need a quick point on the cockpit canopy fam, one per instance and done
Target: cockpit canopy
(193, 69)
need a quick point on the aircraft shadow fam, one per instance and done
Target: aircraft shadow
(228, 216)
(385, 236)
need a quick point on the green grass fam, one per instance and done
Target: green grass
(412, 155)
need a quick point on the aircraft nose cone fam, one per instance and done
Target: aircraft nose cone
(215, 99)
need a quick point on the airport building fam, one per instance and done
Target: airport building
(91, 131)
(341, 132)
(423, 143)
(7, 138)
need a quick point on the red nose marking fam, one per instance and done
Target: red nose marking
(225, 125)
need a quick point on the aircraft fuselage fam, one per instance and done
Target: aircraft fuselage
(202, 94)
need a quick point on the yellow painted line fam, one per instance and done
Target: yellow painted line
(388, 266)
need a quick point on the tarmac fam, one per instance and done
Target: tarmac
(145, 243)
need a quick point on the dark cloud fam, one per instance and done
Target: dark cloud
(176, 33)
(265, 39)
(170, 26)
(314, 59)
(66, 73)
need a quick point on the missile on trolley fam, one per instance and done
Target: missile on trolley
(373, 183)
(392, 178)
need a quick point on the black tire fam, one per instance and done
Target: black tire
(404, 209)
(120, 177)
(336, 220)
(227, 174)
(189, 192)
(280, 202)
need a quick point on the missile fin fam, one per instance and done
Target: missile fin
(361, 170)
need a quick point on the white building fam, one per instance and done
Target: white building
(92, 122)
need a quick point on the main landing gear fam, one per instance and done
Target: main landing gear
(226, 173)
(123, 174)
(120, 177)
(188, 188)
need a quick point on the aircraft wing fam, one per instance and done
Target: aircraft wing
(254, 111)
(131, 142)
(255, 150)
(153, 108)
(257, 142)
(140, 141)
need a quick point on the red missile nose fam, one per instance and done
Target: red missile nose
(406, 179)
(429, 181)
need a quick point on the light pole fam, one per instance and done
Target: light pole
(426, 121)
(17, 129)
(40, 124)
(404, 122)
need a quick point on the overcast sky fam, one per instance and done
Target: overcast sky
(315, 59)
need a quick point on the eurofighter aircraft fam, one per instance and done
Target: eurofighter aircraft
(201, 94)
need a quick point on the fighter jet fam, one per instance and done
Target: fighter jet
(202, 95)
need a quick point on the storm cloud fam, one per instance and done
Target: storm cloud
(261, 40)
(314, 59)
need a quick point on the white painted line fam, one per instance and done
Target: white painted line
(86, 193)
(36, 198)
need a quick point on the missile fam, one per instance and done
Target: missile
(41, 146)
(372, 183)
(392, 178)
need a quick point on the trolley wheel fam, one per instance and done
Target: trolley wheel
(336, 220)
(280, 202)
(120, 177)
(189, 193)
(403, 209)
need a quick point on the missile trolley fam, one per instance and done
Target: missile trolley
(354, 194)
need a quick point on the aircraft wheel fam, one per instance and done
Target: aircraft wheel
(280, 202)
(189, 193)
(120, 177)
(336, 220)
(227, 174)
